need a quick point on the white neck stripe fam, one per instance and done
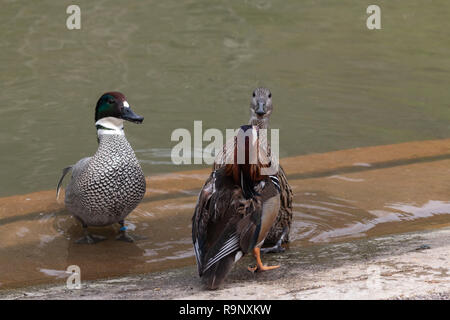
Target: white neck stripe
(112, 125)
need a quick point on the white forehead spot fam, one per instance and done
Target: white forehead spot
(125, 104)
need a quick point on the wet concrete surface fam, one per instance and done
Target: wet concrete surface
(388, 267)
(339, 196)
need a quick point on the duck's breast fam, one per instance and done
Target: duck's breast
(111, 186)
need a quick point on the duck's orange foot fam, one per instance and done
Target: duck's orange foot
(259, 265)
(261, 268)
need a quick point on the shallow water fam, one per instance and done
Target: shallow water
(400, 188)
(335, 84)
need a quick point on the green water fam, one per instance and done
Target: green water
(335, 83)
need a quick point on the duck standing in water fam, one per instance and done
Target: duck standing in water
(260, 110)
(106, 187)
(236, 208)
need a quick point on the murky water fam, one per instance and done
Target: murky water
(336, 85)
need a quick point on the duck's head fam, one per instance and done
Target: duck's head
(261, 107)
(111, 110)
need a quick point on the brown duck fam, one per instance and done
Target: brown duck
(260, 110)
(236, 208)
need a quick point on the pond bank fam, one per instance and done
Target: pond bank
(402, 266)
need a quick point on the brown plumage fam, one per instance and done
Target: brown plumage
(282, 225)
(235, 210)
(260, 110)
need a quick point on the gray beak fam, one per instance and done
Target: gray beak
(260, 111)
(129, 115)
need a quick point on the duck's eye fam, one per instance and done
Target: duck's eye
(254, 94)
(270, 95)
(110, 101)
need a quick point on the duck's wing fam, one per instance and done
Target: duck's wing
(58, 187)
(76, 170)
(286, 193)
(225, 226)
(286, 197)
(284, 218)
(235, 232)
(235, 241)
(201, 218)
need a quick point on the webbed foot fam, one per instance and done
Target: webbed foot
(261, 268)
(90, 239)
(259, 265)
(277, 248)
(123, 236)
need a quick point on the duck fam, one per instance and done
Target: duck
(261, 108)
(106, 187)
(235, 210)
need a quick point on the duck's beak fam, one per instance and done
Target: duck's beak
(261, 110)
(129, 115)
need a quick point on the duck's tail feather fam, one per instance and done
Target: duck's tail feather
(64, 172)
(214, 276)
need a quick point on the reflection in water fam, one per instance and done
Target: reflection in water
(345, 178)
(323, 223)
(427, 210)
(362, 164)
(321, 218)
(54, 273)
(155, 156)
